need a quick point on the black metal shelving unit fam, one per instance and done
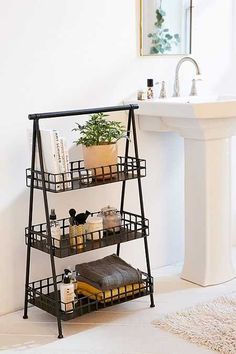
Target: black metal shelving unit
(44, 293)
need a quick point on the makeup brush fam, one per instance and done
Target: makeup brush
(72, 213)
(81, 218)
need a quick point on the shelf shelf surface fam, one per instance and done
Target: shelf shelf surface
(132, 227)
(78, 177)
(41, 294)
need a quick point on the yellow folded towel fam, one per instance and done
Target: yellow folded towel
(108, 295)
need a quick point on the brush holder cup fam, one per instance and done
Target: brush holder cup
(76, 233)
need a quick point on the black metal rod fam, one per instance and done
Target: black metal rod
(141, 201)
(124, 182)
(60, 335)
(31, 200)
(82, 111)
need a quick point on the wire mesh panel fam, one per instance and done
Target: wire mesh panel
(41, 294)
(78, 177)
(132, 227)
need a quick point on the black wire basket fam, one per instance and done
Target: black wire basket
(41, 294)
(132, 227)
(78, 177)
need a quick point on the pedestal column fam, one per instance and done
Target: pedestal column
(207, 212)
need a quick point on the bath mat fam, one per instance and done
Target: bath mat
(211, 324)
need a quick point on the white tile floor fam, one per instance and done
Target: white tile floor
(123, 329)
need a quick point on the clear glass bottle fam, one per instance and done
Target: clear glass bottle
(55, 229)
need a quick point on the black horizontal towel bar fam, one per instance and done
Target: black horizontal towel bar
(81, 112)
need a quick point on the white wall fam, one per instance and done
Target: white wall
(60, 54)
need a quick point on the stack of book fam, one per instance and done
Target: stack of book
(55, 159)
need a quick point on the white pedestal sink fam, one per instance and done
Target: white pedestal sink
(206, 125)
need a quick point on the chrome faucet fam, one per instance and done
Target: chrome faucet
(176, 84)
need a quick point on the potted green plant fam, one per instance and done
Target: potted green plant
(98, 137)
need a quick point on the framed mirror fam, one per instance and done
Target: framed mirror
(165, 27)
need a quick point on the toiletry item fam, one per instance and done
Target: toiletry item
(67, 292)
(163, 90)
(111, 219)
(150, 93)
(72, 213)
(85, 176)
(77, 229)
(76, 233)
(55, 229)
(82, 217)
(142, 95)
(94, 224)
(73, 279)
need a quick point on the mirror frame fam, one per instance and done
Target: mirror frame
(167, 54)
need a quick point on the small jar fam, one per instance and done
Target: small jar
(94, 224)
(76, 233)
(111, 219)
(142, 95)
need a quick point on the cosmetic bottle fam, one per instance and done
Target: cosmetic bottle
(55, 229)
(150, 93)
(67, 292)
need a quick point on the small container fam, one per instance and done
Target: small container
(111, 219)
(150, 93)
(85, 176)
(76, 236)
(55, 229)
(142, 95)
(67, 293)
(94, 224)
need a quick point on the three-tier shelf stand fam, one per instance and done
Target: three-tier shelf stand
(44, 293)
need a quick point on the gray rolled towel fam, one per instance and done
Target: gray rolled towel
(109, 272)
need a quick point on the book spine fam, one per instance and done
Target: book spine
(65, 162)
(58, 159)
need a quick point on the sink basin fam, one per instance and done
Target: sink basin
(196, 99)
(190, 107)
(206, 124)
(187, 99)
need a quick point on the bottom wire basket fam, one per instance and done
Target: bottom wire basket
(41, 294)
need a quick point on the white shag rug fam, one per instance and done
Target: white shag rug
(212, 324)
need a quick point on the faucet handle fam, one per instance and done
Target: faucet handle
(193, 91)
(194, 88)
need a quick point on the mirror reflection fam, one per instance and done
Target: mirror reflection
(165, 27)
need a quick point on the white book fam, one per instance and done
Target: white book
(59, 161)
(50, 158)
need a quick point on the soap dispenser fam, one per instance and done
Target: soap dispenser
(67, 292)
